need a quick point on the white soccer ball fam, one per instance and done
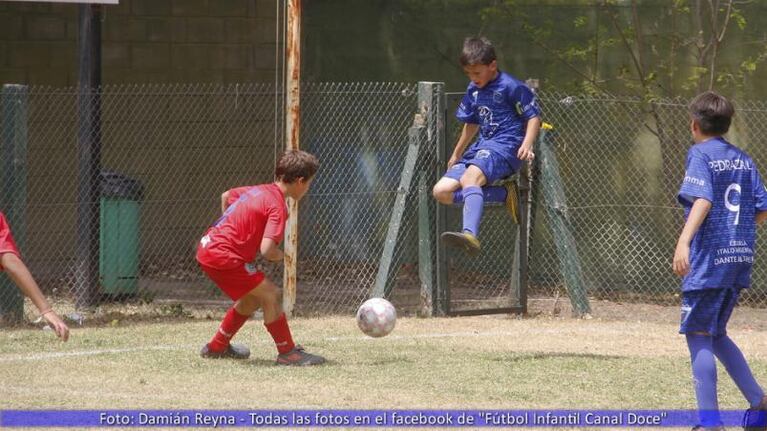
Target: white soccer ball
(376, 317)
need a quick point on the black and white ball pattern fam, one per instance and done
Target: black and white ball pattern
(376, 317)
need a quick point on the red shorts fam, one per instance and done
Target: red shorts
(235, 282)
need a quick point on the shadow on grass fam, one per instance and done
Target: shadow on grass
(266, 363)
(519, 357)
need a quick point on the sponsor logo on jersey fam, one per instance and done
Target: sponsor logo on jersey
(694, 181)
(250, 268)
(730, 165)
(488, 125)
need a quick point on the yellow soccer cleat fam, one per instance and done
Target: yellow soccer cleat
(463, 240)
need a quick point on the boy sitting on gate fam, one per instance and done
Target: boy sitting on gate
(505, 112)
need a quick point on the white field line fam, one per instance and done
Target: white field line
(601, 330)
(60, 355)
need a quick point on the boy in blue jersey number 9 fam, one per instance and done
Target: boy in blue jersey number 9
(505, 113)
(723, 199)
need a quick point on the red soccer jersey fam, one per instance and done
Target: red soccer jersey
(259, 212)
(7, 244)
(235, 194)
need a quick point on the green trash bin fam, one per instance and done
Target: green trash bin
(119, 212)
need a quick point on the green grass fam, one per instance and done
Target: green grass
(477, 362)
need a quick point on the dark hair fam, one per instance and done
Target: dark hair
(295, 164)
(477, 50)
(712, 112)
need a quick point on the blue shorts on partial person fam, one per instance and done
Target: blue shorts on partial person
(708, 310)
(492, 164)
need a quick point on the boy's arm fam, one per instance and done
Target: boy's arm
(761, 216)
(467, 134)
(273, 232)
(224, 201)
(531, 134)
(270, 251)
(19, 273)
(698, 213)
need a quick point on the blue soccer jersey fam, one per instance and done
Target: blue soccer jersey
(501, 108)
(722, 251)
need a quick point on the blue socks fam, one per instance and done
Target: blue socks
(730, 356)
(473, 199)
(473, 205)
(702, 351)
(491, 194)
(704, 378)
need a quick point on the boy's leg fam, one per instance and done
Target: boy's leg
(447, 191)
(506, 193)
(236, 283)
(276, 323)
(732, 358)
(474, 199)
(473, 206)
(704, 378)
(700, 322)
(234, 318)
(730, 355)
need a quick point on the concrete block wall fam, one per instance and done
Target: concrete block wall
(143, 41)
(185, 149)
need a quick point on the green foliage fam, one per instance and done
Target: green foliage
(678, 50)
(740, 20)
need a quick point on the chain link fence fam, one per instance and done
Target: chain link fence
(484, 281)
(621, 162)
(167, 152)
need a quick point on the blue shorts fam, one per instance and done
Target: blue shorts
(708, 310)
(492, 164)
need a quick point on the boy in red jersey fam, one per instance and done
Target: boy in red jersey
(253, 221)
(11, 263)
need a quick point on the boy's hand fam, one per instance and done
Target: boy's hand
(277, 257)
(681, 263)
(453, 160)
(526, 153)
(58, 325)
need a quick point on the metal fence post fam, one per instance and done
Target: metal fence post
(292, 135)
(425, 248)
(14, 187)
(556, 211)
(432, 258)
(387, 267)
(428, 127)
(520, 259)
(89, 151)
(432, 105)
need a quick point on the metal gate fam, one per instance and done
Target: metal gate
(495, 281)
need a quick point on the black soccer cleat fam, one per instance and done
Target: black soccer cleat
(234, 351)
(755, 418)
(299, 357)
(702, 428)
